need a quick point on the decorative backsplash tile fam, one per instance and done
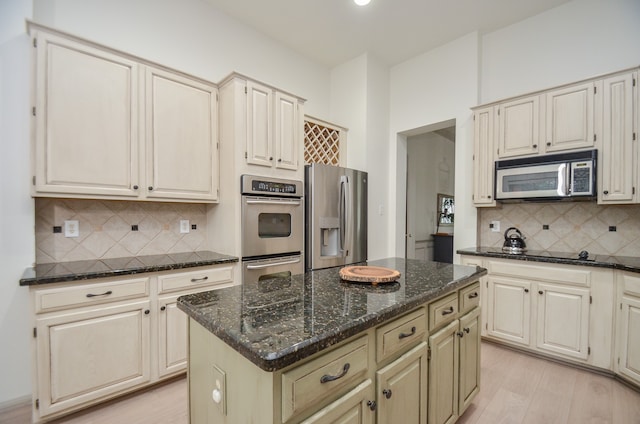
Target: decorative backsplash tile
(572, 227)
(106, 229)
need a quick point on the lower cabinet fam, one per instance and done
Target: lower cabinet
(628, 336)
(356, 407)
(454, 368)
(96, 340)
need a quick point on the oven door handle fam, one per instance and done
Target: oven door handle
(294, 261)
(274, 202)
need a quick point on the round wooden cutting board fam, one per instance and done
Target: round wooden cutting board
(369, 274)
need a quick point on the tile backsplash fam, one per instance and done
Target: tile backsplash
(572, 227)
(106, 229)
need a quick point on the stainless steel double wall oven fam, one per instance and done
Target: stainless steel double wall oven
(272, 227)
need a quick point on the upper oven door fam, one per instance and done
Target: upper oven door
(536, 181)
(271, 225)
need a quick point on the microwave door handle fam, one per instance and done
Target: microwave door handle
(563, 180)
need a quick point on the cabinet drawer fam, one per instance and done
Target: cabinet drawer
(310, 383)
(469, 297)
(631, 284)
(569, 274)
(399, 334)
(89, 294)
(443, 310)
(194, 279)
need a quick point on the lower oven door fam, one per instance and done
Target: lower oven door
(262, 269)
(271, 225)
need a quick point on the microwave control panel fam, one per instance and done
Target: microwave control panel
(581, 178)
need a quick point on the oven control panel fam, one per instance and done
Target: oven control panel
(252, 184)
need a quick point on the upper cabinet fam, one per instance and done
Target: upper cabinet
(519, 127)
(265, 122)
(108, 125)
(483, 157)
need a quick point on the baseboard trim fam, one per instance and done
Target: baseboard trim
(9, 405)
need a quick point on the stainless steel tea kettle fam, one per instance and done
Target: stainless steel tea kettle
(514, 242)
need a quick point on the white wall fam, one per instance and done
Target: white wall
(191, 36)
(578, 40)
(17, 243)
(434, 87)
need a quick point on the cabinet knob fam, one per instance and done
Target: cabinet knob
(135, 187)
(535, 146)
(387, 393)
(271, 158)
(460, 334)
(489, 196)
(279, 160)
(163, 308)
(540, 292)
(150, 188)
(605, 192)
(526, 290)
(548, 143)
(146, 312)
(372, 405)
(466, 330)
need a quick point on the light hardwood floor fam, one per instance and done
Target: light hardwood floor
(516, 388)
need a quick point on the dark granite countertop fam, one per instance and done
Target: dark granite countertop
(626, 263)
(87, 270)
(277, 322)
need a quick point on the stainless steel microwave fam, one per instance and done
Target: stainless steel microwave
(548, 177)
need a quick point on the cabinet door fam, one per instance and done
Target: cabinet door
(181, 137)
(92, 354)
(509, 310)
(288, 131)
(563, 320)
(86, 133)
(617, 158)
(519, 127)
(483, 157)
(172, 336)
(443, 375)
(629, 343)
(402, 388)
(469, 359)
(259, 119)
(356, 407)
(569, 122)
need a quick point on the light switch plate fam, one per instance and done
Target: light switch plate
(184, 226)
(495, 226)
(220, 384)
(71, 228)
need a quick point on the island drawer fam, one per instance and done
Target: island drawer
(308, 384)
(194, 279)
(469, 297)
(443, 310)
(400, 334)
(89, 294)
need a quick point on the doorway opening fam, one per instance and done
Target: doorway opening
(430, 201)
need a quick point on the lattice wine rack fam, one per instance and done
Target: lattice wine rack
(321, 143)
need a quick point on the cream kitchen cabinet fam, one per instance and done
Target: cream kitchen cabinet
(109, 125)
(518, 127)
(628, 319)
(356, 407)
(96, 340)
(266, 122)
(560, 310)
(619, 161)
(483, 157)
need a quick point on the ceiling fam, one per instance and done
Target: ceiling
(331, 32)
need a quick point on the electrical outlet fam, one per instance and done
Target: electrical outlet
(495, 226)
(184, 226)
(71, 228)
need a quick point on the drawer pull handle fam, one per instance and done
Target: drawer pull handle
(387, 393)
(405, 335)
(327, 378)
(195, 280)
(473, 295)
(448, 311)
(372, 404)
(107, 293)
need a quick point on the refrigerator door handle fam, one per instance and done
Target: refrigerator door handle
(344, 204)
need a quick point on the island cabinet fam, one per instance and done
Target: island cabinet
(420, 367)
(110, 125)
(564, 311)
(627, 364)
(93, 340)
(265, 124)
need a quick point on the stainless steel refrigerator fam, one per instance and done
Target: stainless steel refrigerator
(335, 216)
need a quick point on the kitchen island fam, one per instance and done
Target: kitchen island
(312, 347)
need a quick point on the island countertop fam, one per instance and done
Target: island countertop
(277, 322)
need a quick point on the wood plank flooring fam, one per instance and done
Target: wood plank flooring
(516, 389)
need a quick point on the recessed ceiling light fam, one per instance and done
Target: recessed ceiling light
(361, 2)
